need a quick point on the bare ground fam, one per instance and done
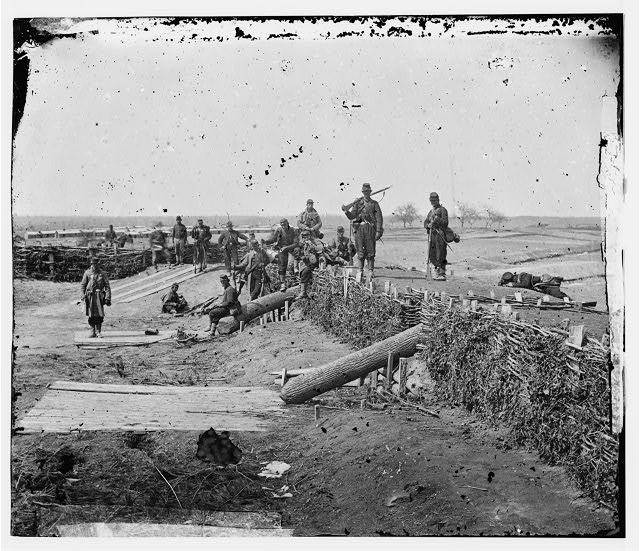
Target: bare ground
(343, 473)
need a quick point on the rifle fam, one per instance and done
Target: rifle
(347, 207)
(428, 274)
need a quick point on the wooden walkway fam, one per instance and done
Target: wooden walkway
(118, 338)
(70, 407)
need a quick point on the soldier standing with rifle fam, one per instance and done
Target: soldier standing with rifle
(366, 220)
(201, 235)
(436, 223)
(229, 240)
(286, 241)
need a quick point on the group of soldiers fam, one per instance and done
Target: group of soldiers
(297, 250)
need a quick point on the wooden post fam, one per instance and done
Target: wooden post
(389, 372)
(373, 380)
(316, 412)
(474, 305)
(286, 310)
(387, 287)
(371, 286)
(115, 257)
(402, 376)
(346, 285)
(359, 277)
(241, 326)
(284, 376)
(450, 302)
(51, 265)
(395, 292)
(465, 303)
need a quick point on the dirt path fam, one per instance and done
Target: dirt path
(342, 472)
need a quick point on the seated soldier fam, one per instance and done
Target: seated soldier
(230, 305)
(306, 278)
(546, 284)
(172, 302)
(341, 250)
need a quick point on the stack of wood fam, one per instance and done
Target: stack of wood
(60, 263)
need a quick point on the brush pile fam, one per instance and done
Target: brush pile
(358, 316)
(60, 263)
(553, 398)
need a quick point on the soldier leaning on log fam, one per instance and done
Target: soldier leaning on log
(254, 264)
(309, 219)
(230, 305)
(96, 294)
(437, 223)
(179, 237)
(229, 241)
(286, 240)
(366, 220)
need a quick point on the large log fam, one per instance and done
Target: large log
(257, 308)
(351, 367)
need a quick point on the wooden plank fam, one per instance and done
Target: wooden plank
(75, 514)
(110, 340)
(389, 372)
(170, 278)
(71, 406)
(140, 278)
(145, 529)
(161, 288)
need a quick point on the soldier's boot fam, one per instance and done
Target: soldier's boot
(440, 274)
(92, 333)
(303, 291)
(99, 330)
(283, 282)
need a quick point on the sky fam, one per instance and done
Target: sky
(190, 117)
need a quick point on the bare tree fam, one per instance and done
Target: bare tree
(406, 214)
(468, 214)
(494, 216)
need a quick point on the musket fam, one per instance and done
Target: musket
(347, 207)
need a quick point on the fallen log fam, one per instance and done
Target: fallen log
(351, 367)
(257, 308)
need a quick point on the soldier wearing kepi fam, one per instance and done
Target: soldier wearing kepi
(254, 266)
(286, 241)
(96, 294)
(436, 224)
(179, 236)
(230, 305)
(201, 235)
(229, 240)
(309, 219)
(366, 219)
(341, 248)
